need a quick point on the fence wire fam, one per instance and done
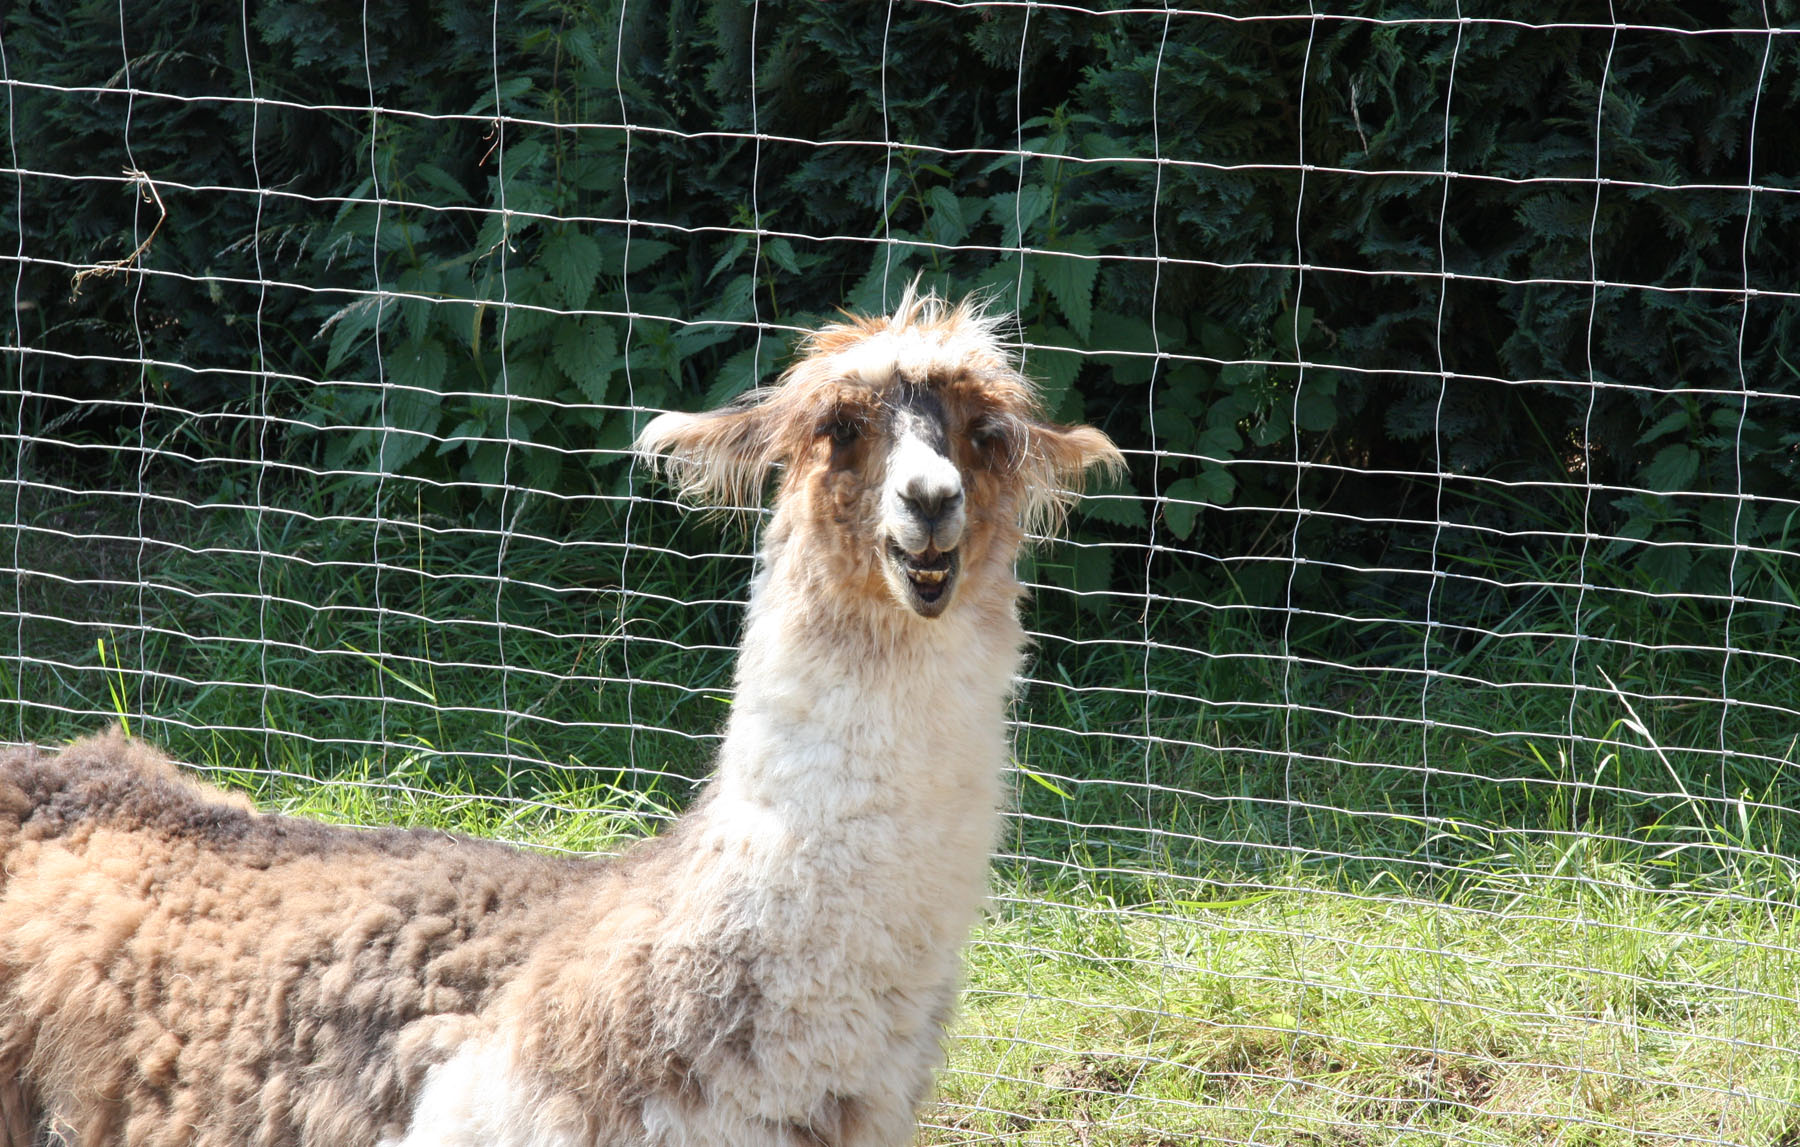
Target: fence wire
(1474, 837)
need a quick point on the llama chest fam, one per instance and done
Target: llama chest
(839, 987)
(737, 1039)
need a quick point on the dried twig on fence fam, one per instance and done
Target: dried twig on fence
(147, 189)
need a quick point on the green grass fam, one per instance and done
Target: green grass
(1268, 905)
(1556, 1000)
(1302, 1011)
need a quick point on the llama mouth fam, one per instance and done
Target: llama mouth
(929, 576)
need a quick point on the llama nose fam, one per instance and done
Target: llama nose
(931, 501)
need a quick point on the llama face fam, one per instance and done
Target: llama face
(912, 451)
(923, 508)
(911, 492)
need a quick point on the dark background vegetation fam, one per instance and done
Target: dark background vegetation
(1525, 428)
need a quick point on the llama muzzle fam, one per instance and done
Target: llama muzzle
(929, 576)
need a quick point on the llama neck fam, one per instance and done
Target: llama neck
(864, 750)
(841, 714)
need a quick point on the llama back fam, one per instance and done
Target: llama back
(175, 968)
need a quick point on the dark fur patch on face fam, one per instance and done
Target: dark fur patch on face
(921, 410)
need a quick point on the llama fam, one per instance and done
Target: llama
(774, 970)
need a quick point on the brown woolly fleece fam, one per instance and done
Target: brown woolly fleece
(177, 969)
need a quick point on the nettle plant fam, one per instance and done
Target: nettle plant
(522, 320)
(495, 353)
(487, 339)
(1160, 301)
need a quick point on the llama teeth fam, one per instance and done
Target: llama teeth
(929, 577)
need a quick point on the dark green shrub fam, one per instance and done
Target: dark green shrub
(1518, 330)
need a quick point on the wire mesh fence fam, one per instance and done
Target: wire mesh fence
(1408, 749)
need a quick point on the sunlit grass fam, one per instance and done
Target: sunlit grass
(1554, 1000)
(1529, 1011)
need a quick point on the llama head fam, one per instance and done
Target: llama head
(913, 454)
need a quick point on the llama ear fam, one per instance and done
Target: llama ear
(1055, 463)
(721, 458)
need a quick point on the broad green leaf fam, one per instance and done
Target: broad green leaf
(1728, 418)
(1274, 426)
(348, 326)
(507, 91)
(1237, 376)
(1291, 329)
(1006, 283)
(781, 253)
(538, 467)
(1113, 500)
(1215, 486)
(521, 157)
(418, 365)
(433, 176)
(1313, 408)
(525, 374)
(1180, 515)
(1667, 567)
(532, 306)
(696, 337)
(944, 219)
(735, 301)
(487, 464)
(620, 257)
(1102, 145)
(462, 438)
(1093, 575)
(1053, 368)
(573, 263)
(1125, 333)
(741, 372)
(1016, 211)
(1232, 407)
(734, 251)
(347, 220)
(890, 269)
(1220, 441)
(1673, 469)
(587, 351)
(1070, 277)
(1186, 386)
(499, 228)
(397, 448)
(1186, 497)
(1220, 343)
(1085, 569)
(1667, 424)
(416, 313)
(1174, 430)
(410, 406)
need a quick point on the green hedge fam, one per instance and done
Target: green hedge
(1447, 325)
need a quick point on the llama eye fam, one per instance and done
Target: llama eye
(988, 436)
(842, 431)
